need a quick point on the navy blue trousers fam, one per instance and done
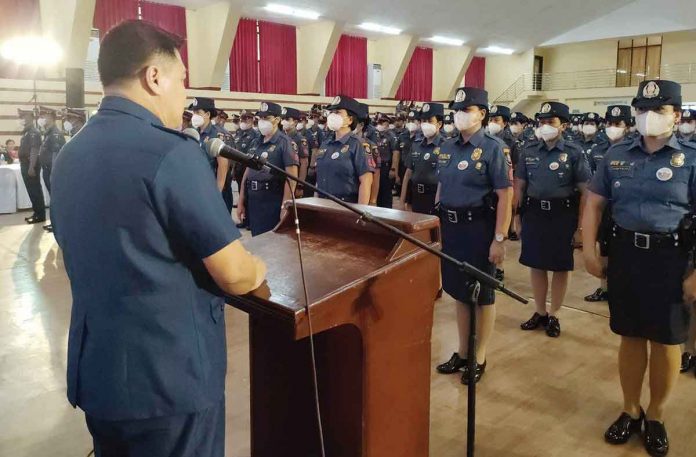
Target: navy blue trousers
(34, 189)
(199, 434)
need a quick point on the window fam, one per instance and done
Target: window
(638, 59)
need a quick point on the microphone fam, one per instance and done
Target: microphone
(216, 147)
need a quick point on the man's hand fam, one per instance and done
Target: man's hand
(496, 254)
(689, 288)
(593, 264)
(241, 210)
(32, 172)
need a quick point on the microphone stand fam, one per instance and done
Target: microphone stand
(474, 285)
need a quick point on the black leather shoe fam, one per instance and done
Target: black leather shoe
(536, 321)
(48, 228)
(553, 329)
(598, 295)
(687, 362)
(623, 428)
(453, 365)
(655, 438)
(242, 224)
(499, 274)
(35, 220)
(30, 217)
(480, 370)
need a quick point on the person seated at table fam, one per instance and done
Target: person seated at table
(9, 154)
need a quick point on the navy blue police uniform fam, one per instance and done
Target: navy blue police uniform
(650, 194)
(387, 143)
(29, 152)
(146, 347)
(469, 173)
(551, 201)
(53, 141)
(423, 164)
(505, 135)
(264, 191)
(301, 144)
(341, 162)
(449, 121)
(586, 144)
(688, 115)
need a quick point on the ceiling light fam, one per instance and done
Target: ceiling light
(32, 50)
(289, 11)
(379, 28)
(497, 50)
(444, 40)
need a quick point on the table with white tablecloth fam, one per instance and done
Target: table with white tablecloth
(13, 192)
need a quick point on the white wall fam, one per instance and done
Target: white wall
(503, 71)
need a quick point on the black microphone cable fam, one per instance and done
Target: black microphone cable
(309, 320)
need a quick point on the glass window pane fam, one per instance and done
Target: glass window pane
(638, 65)
(623, 68)
(640, 42)
(652, 62)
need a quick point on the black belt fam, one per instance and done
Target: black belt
(457, 215)
(265, 185)
(424, 188)
(551, 204)
(647, 241)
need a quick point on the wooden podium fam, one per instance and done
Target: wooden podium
(371, 298)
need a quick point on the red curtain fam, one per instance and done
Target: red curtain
(278, 65)
(244, 65)
(18, 18)
(170, 18)
(476, 73)
(348, 72)
(418, 79)
(108, 13)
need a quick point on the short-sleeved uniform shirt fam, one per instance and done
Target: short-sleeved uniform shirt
(135, 214)
(301, 144)
(597, 153)
(649, 192)
(29, 144)
(424, 159)
(387, 143)
(555, 173)
(340, 164)
(52, 143)
(468, 172)
(279, 150)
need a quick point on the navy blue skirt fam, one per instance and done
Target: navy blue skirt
(468, 242)
(645, 292)
(547, 238)
(264, 210)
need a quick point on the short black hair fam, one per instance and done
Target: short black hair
(9, 141)
(129, 46)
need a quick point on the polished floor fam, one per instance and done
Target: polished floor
(540, 397)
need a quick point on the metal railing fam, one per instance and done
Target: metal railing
(588, 79)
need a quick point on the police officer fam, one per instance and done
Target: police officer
(687, 125)
(421, 176)
(264, 192)
(290, 117)
(618, 117)
(498, 124)
(448, 130)
(549, 180)
(362, 130)
(53, 141)
(245, 138)
(389, 153)
(344, 161)
(148, 245)
(74, 120)
(29, 151)
(204, 119)
(587, 138)
(314, 133)
(408, 136)
(649, 182)
(575, 132)
(474, 204)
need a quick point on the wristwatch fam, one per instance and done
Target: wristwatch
(499, 237)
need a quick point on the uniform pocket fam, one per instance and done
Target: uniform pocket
(217, 309)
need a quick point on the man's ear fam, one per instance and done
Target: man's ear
(152, 79)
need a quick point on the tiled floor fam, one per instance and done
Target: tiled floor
(540, 397)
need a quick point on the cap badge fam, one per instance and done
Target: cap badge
(264, 107)
(426, 108)
(590, 116)
(284, 111)
(195, 102)
(460, 97)
(336, 100)
(616, 112)
(686, 113)
(651, 90)
(546, 108)
(494, 109)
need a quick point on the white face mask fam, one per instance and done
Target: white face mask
(589, 129)
(287, 125)
(197, 120)
(654, 124)
(67, 126)
(429, 130)
(494, 128)
(310, 123)
(412, 127)
(548, 132)
(576, 128)
(391, 126)
(516, 129)
(265, 127)
(41, 122)
(213, 121)
(300, 126)
(615, 133)
(334, 122)
(464, 120)
(537, 133)
(449, 128)
(687, 128)
(381, 127)
(322, 126)
(245, 125)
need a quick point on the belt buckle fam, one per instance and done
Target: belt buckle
(452, 216)
(545, 205)
(420, 188)
(254, 185)
(641, 240)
